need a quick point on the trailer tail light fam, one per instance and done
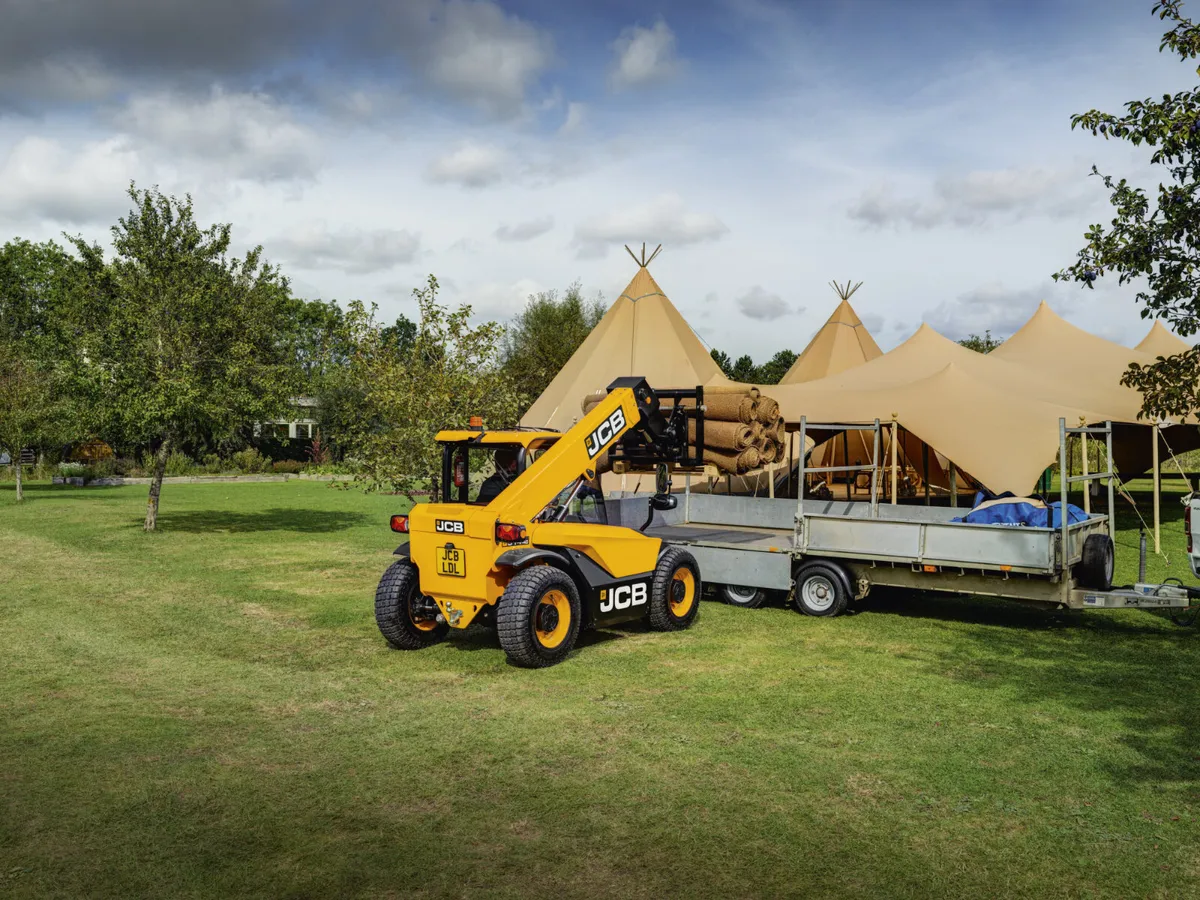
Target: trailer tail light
(400, 524)
(929, 568)
(1187, 524)
(509, 534)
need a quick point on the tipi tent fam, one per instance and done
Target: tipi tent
(1160, 342)
(842, 343)
(641, 334)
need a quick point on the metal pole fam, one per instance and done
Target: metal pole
(1087, 485)
(1157, 541)
(1064, 473)
(800, 486)
(1142, 555)
(846, 458)
(895, 476)
(1112, 510)
(875, 472)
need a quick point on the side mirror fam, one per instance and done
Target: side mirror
(662, 479)
(663, 502)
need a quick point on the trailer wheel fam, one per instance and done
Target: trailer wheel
(538, 617)
(405, 617)
(675, 591)
(821, 590)
(745, 597)
(1095, 569)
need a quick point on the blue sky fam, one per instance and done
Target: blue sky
(509, 147)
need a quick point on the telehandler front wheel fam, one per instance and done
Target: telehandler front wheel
(675, 591)
(405, 617)
(538, 617)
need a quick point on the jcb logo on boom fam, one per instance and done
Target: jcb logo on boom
(623, 597)
(608, 429)
(447, 526)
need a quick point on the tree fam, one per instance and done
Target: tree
(1161, 241)
(452, 371)
(776, 367)
(721, 358)
(35, 283)
(179, 340)
(744, 369)
(544, 335)
(981, 343)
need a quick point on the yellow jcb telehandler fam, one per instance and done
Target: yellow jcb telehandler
(520, 540)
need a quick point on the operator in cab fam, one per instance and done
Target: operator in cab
(505, 460)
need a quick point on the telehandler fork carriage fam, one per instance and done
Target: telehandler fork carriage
(523, 551)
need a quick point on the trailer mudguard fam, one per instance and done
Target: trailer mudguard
(402, 550)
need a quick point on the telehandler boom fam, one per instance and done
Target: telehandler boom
(525, 552)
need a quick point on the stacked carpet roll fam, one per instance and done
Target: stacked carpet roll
(743, 430)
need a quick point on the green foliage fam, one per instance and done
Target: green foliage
(544, 335)
(981, 343)
(1157, 241)
(287, 467)
(179, 464)
(212, 464)
(452, 372)
(744, 369)
(179, 340)
(250, 461)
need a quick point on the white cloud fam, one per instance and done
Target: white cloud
(246, 135)
(992, 307)
(525, 231)
(41, 180)
(498, 301)
(350, 250)
(978, 198)
(758, 303)
(484, 55)
(644, 56)
(574, 119)
(470, 165)
(662, 220)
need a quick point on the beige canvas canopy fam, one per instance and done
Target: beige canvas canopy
(842, 343)
(641, 334)
(1161, 342)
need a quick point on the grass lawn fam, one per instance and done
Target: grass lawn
(211, 712)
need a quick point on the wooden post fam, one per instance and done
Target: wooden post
(925, 467)
(953, 484)
(895, 475)
(1154, 456)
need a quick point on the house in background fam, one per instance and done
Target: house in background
(301, 425)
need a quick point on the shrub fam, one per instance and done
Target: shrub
(212, 464)
(287, 466)
(179, 463)
(251, 462)
(72, 469)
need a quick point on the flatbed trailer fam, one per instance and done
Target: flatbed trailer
(776, 544)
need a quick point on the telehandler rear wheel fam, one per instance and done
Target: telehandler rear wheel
(405, 617)
(538, 617)
(675, 592)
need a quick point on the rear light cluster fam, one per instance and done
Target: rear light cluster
(1187, 524)
(509, 534)
(400, 524)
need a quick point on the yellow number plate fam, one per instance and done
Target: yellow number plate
(452, 561)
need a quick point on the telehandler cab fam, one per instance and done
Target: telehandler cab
(528, 550)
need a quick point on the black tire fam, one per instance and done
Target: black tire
(529, 617)
(404, 616)
(1095, 569)
(675, 591)
(821, 589)
(743, 597)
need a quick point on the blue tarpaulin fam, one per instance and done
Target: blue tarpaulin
(1010, 510)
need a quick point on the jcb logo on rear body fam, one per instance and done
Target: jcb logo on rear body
(603, 435)
(624, 596)
(448, 526)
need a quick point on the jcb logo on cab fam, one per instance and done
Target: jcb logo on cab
(448, 526)
(603, 435)
(623, 597)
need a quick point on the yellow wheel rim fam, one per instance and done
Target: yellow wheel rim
(424, 623)
(560, 618)
(682, 606)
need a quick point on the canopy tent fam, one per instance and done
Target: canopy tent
(1160, 342)
(641, 334)
(843, 342)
